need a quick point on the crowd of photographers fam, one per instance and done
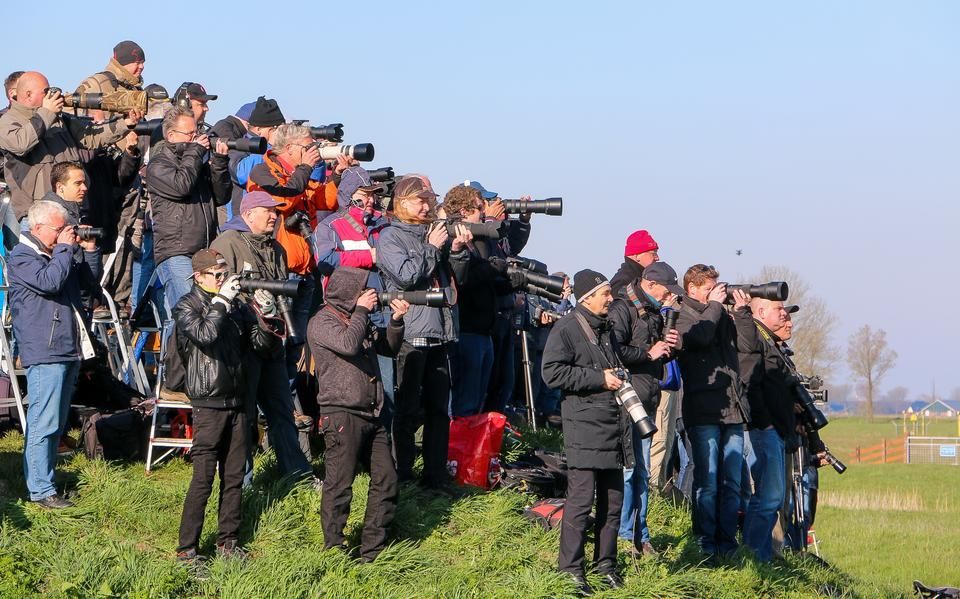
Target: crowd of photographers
(272, 253)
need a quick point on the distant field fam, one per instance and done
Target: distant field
(889, 524)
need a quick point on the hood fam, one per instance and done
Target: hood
(236, 224)
(122, 74)
(73, 208)
(344, 287)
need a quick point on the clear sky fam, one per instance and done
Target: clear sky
(821, 135)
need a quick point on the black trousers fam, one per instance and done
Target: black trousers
(353, 441)
(581, 487)
(423, 397)
(219, 445)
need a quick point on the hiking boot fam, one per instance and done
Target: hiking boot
(230, 549)
(194, 562)
(583, 587)
(303, 422)
(177, 396)
(53, 502)
(648, 550)
(613, 580)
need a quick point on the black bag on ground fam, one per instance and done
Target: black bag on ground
(537, 481)
(118, 436)
(926, 592)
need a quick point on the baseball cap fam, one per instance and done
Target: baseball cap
(195, 91)
(662, 273)
(205, 259)
(409, 186)
(257, 199)
(487, 195)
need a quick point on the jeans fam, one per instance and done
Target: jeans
(474, 365)
(717, 469)
(50, 387)
(767, 469)
(142, 270)
(636, 493)
(387, 378)
(174, 273)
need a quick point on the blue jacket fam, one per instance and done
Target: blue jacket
(44, 298)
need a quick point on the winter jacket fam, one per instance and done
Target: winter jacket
(713, 392)
(636, 328)
(478, 297)
(262, 252)
(34, 139)
(229, 128)
(185, 191)
(45, 299)
(345, 344)
(212, 342)
(406, 261)
(629, 272)
(112, 78)
(769, 380)
(596, 431)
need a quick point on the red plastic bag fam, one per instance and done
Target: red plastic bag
(473, 456)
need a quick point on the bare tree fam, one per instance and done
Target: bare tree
(813, 325)
(869, 359)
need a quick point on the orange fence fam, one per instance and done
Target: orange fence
(887, 452)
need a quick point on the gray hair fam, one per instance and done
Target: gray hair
(41, 211)
(172, 116)
(287, 133)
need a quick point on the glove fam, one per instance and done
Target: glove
(517, 279)
(229, 290)
(266, 302)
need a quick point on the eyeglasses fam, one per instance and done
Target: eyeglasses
(191, 134)
(57, 230)
(218, 274)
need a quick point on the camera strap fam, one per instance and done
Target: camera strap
(594, 341)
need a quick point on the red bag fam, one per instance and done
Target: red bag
(474, 450)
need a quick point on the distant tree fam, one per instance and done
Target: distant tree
(813, 325)
(955, 394)
(841, 394)
(897, 395)
(869, 359)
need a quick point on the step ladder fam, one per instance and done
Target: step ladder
(169, 443)
(7, 361)
(115, 336)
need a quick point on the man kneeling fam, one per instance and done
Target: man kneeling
(345, 345)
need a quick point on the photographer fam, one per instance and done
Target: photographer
(644, 348)
(185, 189)
(639, 252)
(214, 331)
(416, 254)
(248, 248)
(35, 135)
(46, 280)
(345, 345)
(714, 404)
(581, 360)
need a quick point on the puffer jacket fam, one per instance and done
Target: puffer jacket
(596, 430)
(212, 342)
(345, 344)
(406, 261)
(185, 190)
(636, 328)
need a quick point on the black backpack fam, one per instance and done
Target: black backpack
(118, 436)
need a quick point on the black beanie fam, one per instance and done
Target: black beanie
(266, 114)
(586, 282)
(127, 51)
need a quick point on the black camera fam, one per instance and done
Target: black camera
(148, 127)
(810, 415)
(386, 178)
(831, 459)
(549, 206)
(814, 385)
(431, 297)
(287, 287)
(249, 145)
(299, 221)
(88, 233)
(536, 283)
(531, 264)
(487, 230)
(775, 291)
(669, 321)
(332, 132)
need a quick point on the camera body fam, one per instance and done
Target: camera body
(814, 385)
(536, 283)
(299, 221)
(810, 415)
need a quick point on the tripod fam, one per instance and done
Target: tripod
(528, 380)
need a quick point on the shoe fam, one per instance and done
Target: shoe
(123, 313)
(230, 549)
(317, 484)
(613, 580)
(648, 550)
(555, 420)
(303, 422)
(194, 562)
(53, 502)
(177, 396)
(583, 587)
(102, 314)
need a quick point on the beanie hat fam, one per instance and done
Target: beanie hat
(266, 113)
(639, 242)
(127, 51)
(245, 111)
(586, 282)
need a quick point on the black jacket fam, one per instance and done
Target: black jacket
(230, 128)
(344, 345)
(212, 342)
(185, 191)
(596, 432)
(486, 281)
(636, 329)
(769, 385)
(713, 392)
(629, 272)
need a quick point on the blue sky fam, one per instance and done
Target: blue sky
(819, 135)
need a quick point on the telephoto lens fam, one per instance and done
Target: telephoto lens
(776, 291)
(93, 101)
(331, 132)
(811, 415)
(380, 175)
(361, 152)
(248, 145)
(487, 230)
(549, 206)
(287, 287)
(88, 233)
(148, 127)
(431, 297)
(669, 321)
(628, 398)
(836, 464)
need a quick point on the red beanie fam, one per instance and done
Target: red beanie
(639, 242)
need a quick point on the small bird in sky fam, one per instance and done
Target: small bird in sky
(739, 252)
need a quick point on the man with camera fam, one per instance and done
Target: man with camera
(124, 71)
(639, 252)
(714, 408)
(187, 182)
(214, 332)
(416, 253)
(581, 360)
(35, 135)
(644, 348)
(46, 281)
(249, 249)
(346, 346)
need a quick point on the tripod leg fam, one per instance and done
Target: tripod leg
(528, 381)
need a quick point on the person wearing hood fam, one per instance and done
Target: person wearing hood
(247, 244)
(345, 346)
(639, 252)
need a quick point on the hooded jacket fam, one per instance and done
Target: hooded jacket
(596, 431)
(262, 252)
(112, 78)
(406, 261)
(185, 190)
(345, 345)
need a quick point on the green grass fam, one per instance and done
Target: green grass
(119, 542)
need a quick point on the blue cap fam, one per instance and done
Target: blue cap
(487, 195)
(245, 111)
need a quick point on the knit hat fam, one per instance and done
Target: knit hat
(586, 282)
(245, 111)
(639, 242)
(127, 51)
(266, 113)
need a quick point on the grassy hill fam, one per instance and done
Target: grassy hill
(119, 542)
